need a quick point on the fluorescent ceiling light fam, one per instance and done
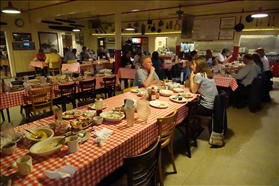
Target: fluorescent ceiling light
(259, 14)
(76, 29)
(135, 10)
(129, 27)
(10, 9)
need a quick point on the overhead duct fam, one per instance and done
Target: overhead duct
(94, 24)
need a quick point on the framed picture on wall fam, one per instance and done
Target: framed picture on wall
(77, 39)
(227, 22)
(81, 39)
(48, 40)
(226, 34)
(111, 40)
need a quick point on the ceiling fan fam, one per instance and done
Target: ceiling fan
(180, 13)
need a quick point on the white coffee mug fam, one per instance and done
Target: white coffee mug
(24, 165)
(73, 144)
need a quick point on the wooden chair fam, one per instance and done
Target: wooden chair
(109, 87)
(56, 68)
(187, 124)
(87, 89)
(166, 127)
(2, 115)
(129, 89)
(68, 95)
(41, 100)
(86, 102)
(142, 169)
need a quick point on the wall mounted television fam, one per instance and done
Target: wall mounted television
(136, 40)
(26, 37)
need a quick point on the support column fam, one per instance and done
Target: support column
(117, 46)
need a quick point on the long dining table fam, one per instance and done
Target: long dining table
(13, 99)
(93, 162)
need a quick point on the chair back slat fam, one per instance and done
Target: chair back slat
(41, 99)
(166, 128)
(87, 89)
(142, 169)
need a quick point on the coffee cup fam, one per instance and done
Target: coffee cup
(24, 165)
(9, 148)
(73, 145)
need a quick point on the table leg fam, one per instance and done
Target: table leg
(8, 114)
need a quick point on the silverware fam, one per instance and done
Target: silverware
(36, 137)
(60, 141)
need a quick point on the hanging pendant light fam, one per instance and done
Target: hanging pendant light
(76, 29)
(259, 14)
(10, 9)
(129, 27)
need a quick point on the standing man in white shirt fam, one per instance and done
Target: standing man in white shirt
(266, 69)
(222, 58)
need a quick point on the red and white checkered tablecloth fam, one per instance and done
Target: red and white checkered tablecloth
(13, 99)
(38, 64)
(126, 73)
(168, 66)
(93, 162)
(75, 67)
(224, 81)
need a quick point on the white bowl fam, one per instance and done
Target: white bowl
(112, 116)
(98, 120)
(48, 146)
(49, 133)
(166, 92)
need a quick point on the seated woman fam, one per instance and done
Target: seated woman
(201, 81)
(146, 75)
(157, 64)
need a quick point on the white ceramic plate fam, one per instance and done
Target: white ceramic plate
(71, 114)
(166, 92)
(86, 137)
(93, 106)
(186, 94)
(178, 90)
(178, 99)
(159, 104)
(112, 116)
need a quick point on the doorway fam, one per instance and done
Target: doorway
(5, 68)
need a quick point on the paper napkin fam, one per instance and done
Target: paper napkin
(102, 135)
(63, 172)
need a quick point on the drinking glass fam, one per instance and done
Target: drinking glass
(130, 116)
(143, 109)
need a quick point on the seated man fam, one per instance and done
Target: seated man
(52, 58)
(69, 56)
(245, 78)
(222, 57)
(126, 60)
(146, 76)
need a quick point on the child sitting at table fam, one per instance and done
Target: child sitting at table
(201, 81)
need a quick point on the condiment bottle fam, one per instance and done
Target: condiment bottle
(158, 94)
(152, 94)
(3, 85)
(98, 105)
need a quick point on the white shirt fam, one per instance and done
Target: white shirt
(221, 58)
(265, 63)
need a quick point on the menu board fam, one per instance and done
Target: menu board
(206, 29)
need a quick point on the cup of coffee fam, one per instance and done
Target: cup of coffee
(24, 165)
(9, 148)
(73, 145)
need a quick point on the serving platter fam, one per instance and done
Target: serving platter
(71, 114)
(186, 94)
(112, 116)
